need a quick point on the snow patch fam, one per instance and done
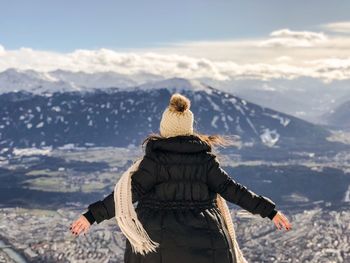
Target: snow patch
(32, 151)
(68, 146)
(283, 121)
(347, 195)
(269, 137)
(267, 181)
(39, 125)
(295, 197)
(251, 125)
(239, 109)
(213, 104)
(223, 119)
(233, 100)
(56, 108)
(213, 122)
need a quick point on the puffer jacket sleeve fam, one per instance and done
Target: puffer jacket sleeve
(220, 182)
(142, 182)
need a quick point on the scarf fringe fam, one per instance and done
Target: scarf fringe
(132, 228)
(126, 216)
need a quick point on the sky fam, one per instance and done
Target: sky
(193, 38)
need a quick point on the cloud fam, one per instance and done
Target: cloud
(2, 50)
(338, 27)
(288, 38)
(283, 58)
(331, 68)
(220, 60)
(102, 60)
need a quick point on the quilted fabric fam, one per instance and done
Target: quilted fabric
(175, 189)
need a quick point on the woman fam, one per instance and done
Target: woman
(176, 186)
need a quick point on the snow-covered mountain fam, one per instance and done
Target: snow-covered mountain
(119, 117)
(92, 80)
(304, 97)
(64, 81)
(32, 81)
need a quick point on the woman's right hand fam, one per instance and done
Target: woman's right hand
(80, 225)
(281, 220)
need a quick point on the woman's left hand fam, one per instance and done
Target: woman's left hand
(80, 225)
(281, 220)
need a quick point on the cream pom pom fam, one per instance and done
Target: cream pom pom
(179, 103)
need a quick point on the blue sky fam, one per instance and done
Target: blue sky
(220, 40)
(67, 25)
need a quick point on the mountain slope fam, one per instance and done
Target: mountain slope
(115, 117)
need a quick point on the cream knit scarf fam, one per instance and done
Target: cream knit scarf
(132, 228)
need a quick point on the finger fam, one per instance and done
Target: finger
(73, 227)
(284, 218)
(286, 223)
(280, 224)
(76, 227)
(84, 226)
(77, 233)
(277, 225)
(73, 224)
(81, 228)
(281, 218)
(289, 226)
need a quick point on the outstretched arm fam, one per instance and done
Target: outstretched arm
(220, 182)
(142, 181)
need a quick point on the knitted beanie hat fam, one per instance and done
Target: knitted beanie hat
(177, 118)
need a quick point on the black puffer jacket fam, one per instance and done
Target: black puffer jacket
(176, 186)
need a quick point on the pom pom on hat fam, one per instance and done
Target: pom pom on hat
(179, 103)
(177, 118)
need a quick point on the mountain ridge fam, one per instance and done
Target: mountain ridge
(122, 117)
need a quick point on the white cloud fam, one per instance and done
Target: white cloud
(283, 58)
(331, 68)
(308, 35)
(328, 59)
(2, 50)
(288, 38)
(339, 27)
